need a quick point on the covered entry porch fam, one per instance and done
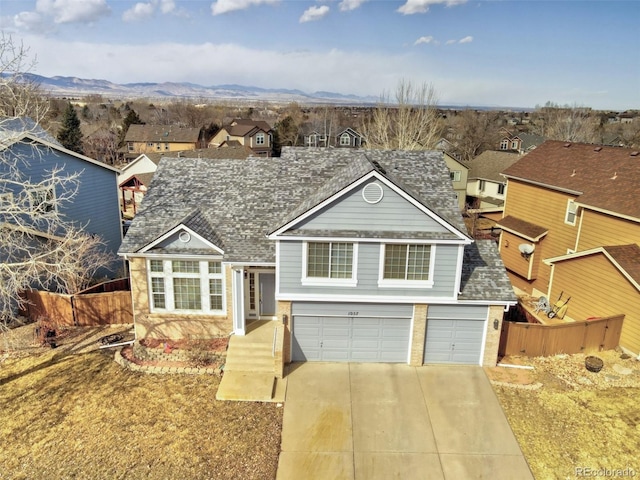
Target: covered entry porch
(254, 295)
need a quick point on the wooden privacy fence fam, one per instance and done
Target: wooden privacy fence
(534, 339)
(103, 304)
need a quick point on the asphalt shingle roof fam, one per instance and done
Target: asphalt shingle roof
(161, 133)
(484, 275)
(490, 163)
(604, 177)
(244, 201)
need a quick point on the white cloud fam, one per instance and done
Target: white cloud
(347, 5)
(29, 21)
(167, 6)
(139, 11)
(142, 10)
(73, 11)
(422, 6)
(450, 42)
(428, 39)
(468, 39)
(314, 13)
(225, 6)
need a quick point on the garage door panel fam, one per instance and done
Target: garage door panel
(453, 341)
(356, 339)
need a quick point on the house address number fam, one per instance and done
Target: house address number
(353, 314)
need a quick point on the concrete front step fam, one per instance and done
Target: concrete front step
(246, 387)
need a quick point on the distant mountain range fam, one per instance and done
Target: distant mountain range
(77, 87)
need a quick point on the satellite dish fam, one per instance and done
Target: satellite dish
(526, 249)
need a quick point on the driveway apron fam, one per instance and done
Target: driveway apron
(389, 421)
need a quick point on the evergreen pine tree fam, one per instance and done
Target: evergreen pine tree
(131, 119)
(70, 135)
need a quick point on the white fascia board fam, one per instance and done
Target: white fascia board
(274, 235)
(166, 256)
(375, 240)
(522, 235)
(303, 297)
(175, 230)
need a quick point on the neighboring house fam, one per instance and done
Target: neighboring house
(520, 142)
(458, 172)
(255, 134)
(574, 207)
(159, 138)
(486, 187)
(94, 207)
(359, 255)
(137, 175)
(345, 138)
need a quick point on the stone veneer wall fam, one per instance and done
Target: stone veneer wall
(418, 334)
(492, 342)
(173, 325)
(284, 308)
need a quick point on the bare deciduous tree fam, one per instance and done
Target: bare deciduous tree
(566, 123)
(408, 121)
(38, 246)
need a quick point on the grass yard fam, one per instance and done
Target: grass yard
(83, 416)
(566, 417)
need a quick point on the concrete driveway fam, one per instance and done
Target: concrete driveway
(388, 421)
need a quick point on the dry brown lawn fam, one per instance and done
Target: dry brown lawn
(566, 417)
(69, 414)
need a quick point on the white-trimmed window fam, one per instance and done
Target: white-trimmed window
(514, 145)
(482, 184)
(43, 200)
(185, 285)
(329, 263)
(501, 187)
(504, 144)
(260, 139)
(570, 215)
(407, 265)
(454, 175)
(345, 140)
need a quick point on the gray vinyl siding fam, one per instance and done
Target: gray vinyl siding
(393, 213)
(457, 312)
(174, 243)
(95, 207)
(290, 272)
(350, 309)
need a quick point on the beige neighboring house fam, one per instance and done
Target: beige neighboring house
(485, 182)
(159, 139)
(458, 172)
(254, 134)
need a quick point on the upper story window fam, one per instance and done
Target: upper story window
(482, 184)
(43, 200)
(260, 139)
(501, 187)
(149, 144)
(455, 175)
(345, 140)
(570, 215)
(130, 146)
(406, 265)
(328, 263)
(186, 285)
(504, 144)
(166, 146)
(514, 145)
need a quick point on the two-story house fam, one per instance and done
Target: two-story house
(458, 172)
(93, 207)
(520, 142)
(255, 134)
(160, 139)
(346, 137)
(486, 187)
(359, 255)
(571, 225)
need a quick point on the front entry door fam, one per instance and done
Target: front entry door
(267, 282)
(260, 294)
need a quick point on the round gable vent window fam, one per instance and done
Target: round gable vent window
(372, 193)
(184, 237)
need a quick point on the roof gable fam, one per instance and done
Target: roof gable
(489, 164)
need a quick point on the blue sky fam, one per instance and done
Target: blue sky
(494, 53)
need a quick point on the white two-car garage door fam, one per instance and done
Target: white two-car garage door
(455, 334)
(350, 332)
